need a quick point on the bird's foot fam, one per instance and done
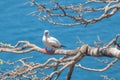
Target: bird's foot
(44, 50)
(48, 51)
(51, 51)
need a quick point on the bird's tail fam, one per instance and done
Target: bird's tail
(62, 46)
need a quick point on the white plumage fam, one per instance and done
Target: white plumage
(50, 41)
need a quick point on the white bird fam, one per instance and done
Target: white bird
(50, 42)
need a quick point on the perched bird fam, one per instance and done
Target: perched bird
(50, 42)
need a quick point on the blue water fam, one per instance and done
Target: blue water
(16, 25)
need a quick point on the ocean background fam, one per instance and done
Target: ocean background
(17, 25)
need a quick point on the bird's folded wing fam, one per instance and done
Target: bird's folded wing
(54, 42)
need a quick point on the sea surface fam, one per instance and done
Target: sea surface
(17, 25)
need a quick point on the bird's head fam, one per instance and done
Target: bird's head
(46, 33)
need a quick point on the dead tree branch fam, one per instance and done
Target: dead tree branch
(99, 70)
(76, 13)
(69, 60)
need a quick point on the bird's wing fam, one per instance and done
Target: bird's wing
(54, 42)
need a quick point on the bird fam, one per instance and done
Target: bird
(51, 42)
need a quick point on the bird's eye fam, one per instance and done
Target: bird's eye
(46, 33)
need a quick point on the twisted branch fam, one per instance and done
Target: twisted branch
(69, 60)
(59, 13)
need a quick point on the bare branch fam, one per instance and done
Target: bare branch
(99, 70)
(69, 60)
(70, 72)
(76, 13)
